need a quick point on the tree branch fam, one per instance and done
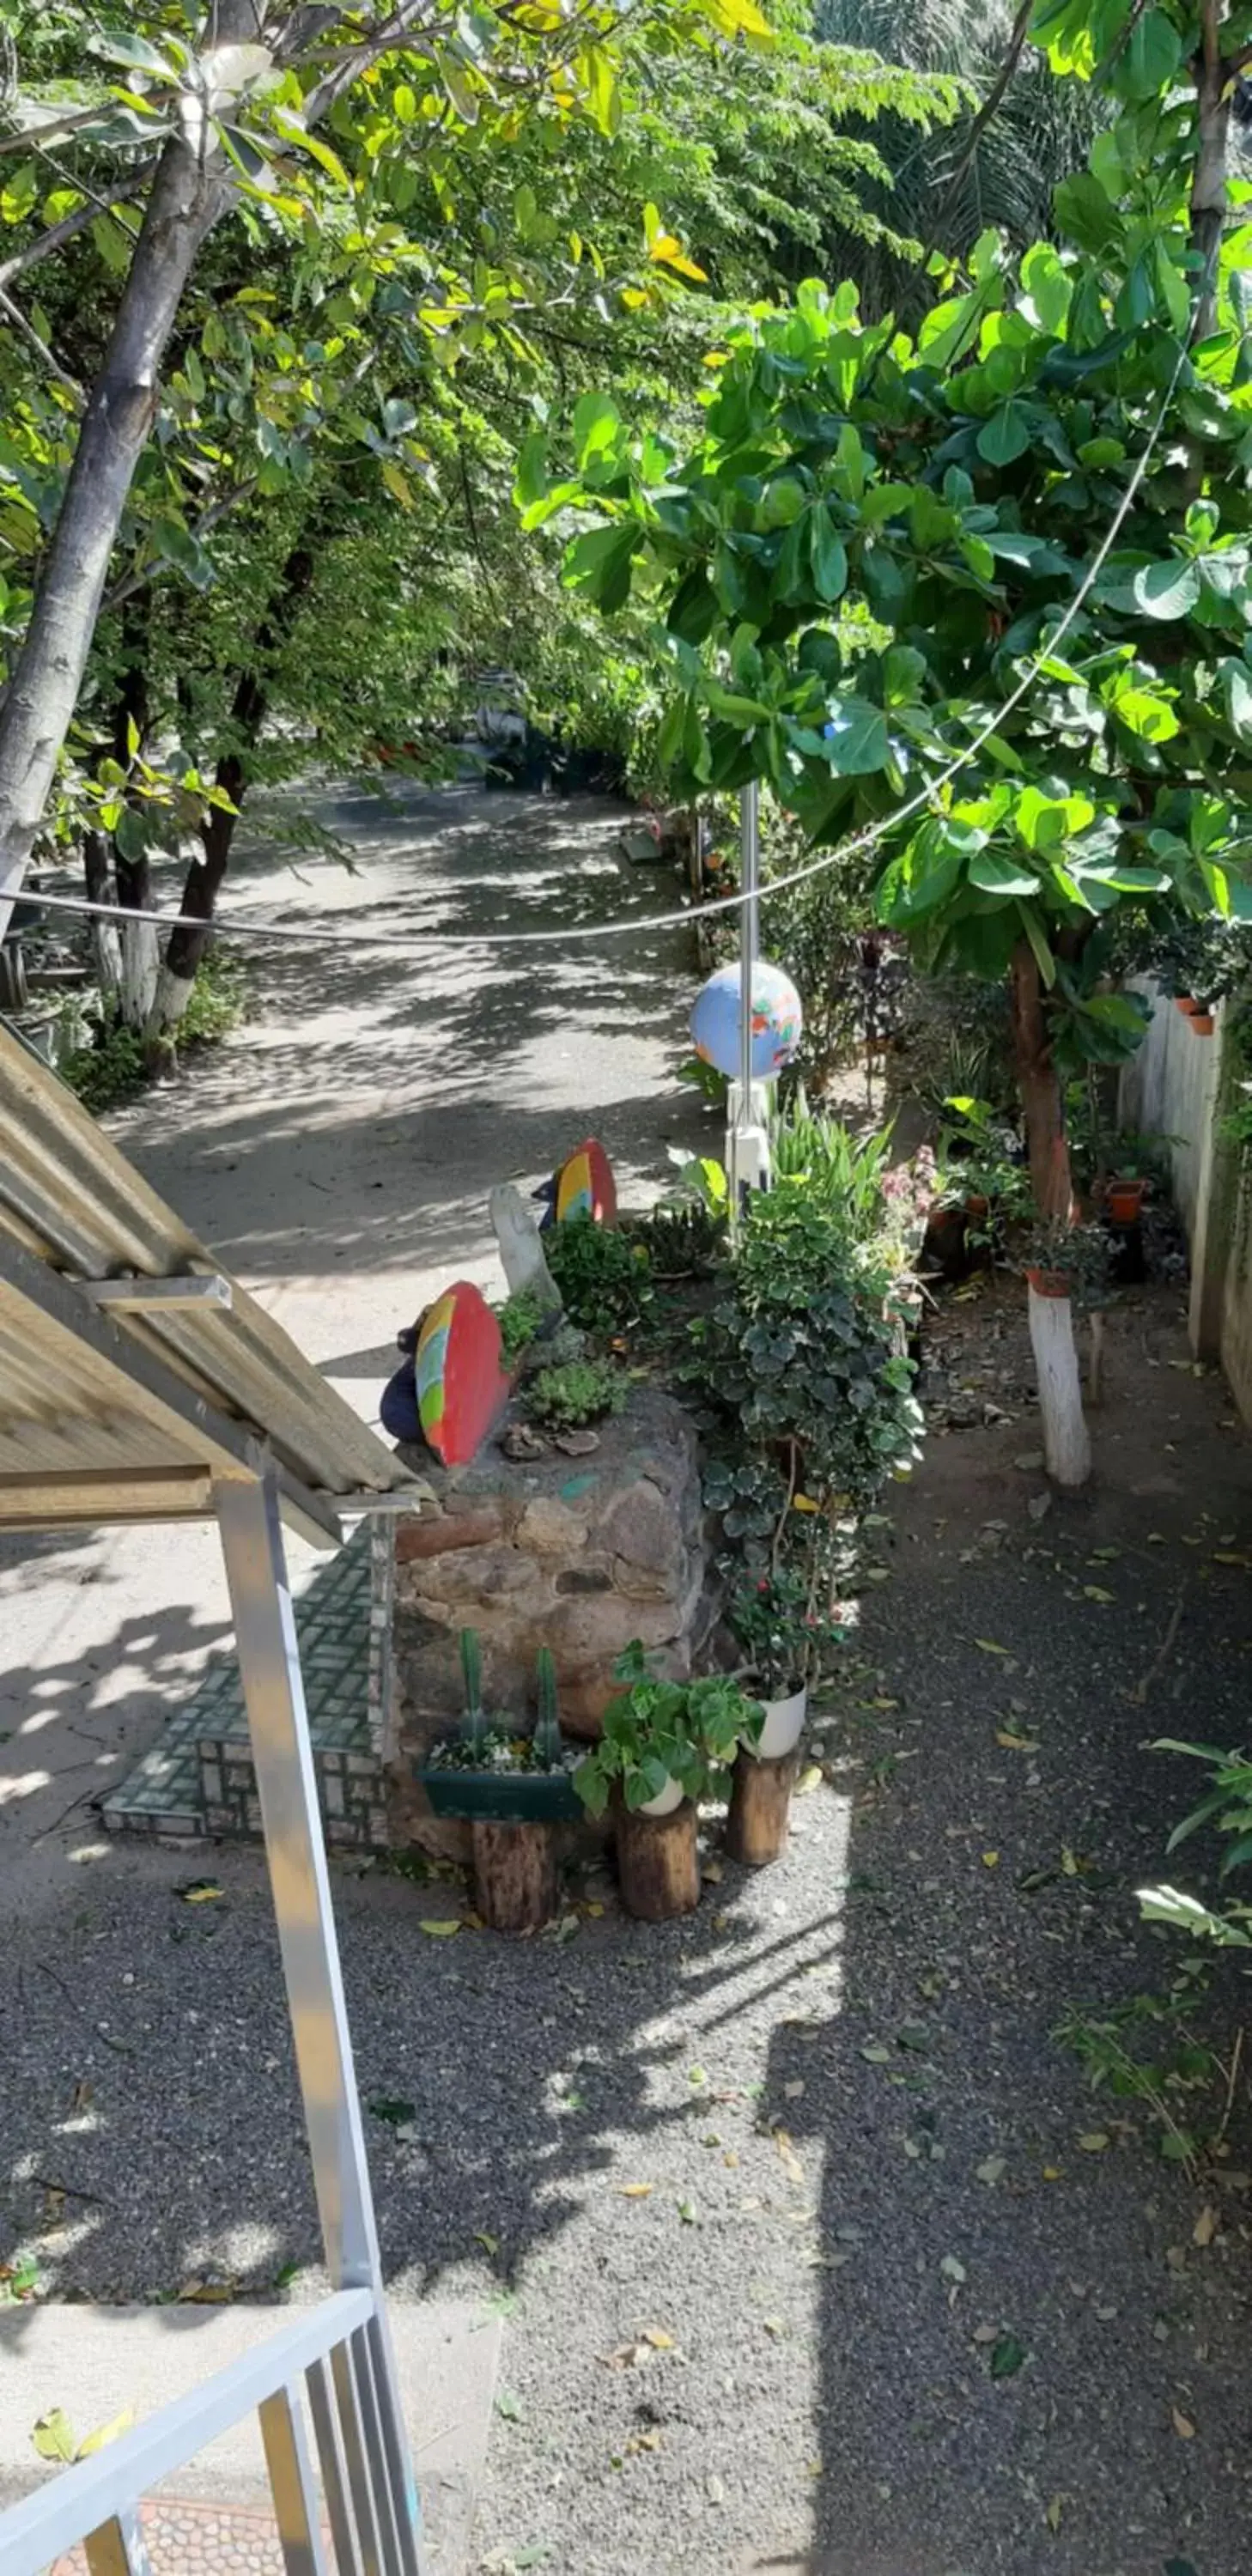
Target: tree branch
(46, 355)
(70, 225)
(401, 26)
(1012, 56)
(132, 582)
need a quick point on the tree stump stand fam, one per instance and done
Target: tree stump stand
(760, 1807)
(657, 1863)
(514, 1875)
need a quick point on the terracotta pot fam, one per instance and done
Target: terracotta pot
(1202, 1024)
(1048, 1283)
(978, 1207)
(1124, 1201)
(1186, 1003)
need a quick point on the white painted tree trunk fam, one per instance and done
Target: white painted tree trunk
(1066, 1447)
(173, 992)
(141, 965)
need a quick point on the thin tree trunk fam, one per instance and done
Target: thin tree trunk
(1215, 82)
(1042, 1102)
(106, 946)
(189, 192)
(205, 876)
(1066, 1447)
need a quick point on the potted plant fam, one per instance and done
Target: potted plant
(665, 1741)
(1068, 1261)
(772, 1621)
(665, 1744)
(496, 1770)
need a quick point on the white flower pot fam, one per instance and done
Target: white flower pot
(783, 1728)
(666, 1800)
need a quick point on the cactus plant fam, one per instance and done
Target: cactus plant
(547, 1723)
(474, 1722)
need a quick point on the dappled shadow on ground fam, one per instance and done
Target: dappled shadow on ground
(71, 1725)
(820, 2137)
(362, 1116)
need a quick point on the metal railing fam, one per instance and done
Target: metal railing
(367, 2499)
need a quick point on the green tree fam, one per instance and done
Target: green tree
(151, 128)
(955, 484)
(347, 426)
(1018, 132)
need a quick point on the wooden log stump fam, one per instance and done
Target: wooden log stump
(514, 1875)
(657, 1863)
(760, 1808)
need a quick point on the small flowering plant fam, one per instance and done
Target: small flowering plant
(785, 1636)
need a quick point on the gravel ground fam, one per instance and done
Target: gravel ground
(809, 2236)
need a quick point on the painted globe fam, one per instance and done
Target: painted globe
(776, 1020)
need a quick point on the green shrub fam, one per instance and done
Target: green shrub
(604, 1276)
(806, 1350)
(583, 1391)
(521, 1319)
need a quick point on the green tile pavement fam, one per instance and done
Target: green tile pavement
(198, 1777)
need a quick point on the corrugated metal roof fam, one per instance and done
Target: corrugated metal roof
(69, 1200)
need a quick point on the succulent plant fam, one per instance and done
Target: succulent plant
(474, 1722)
(547, 1723)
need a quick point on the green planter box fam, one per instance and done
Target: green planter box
(502, 1797)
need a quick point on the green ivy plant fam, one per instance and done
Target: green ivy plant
(657, 1731)
(805, 1350)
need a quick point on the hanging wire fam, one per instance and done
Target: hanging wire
(297, 934)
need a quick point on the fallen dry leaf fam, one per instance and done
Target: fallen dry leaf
(791, 2164)
(1093, 2141)
(1206, 2226)
(636, 2190)
(1053, 2515)
(991, 1860)
(441, 1931)
(810, 1779)
(1182, 2424)
(658, 2338)
(988, 1646)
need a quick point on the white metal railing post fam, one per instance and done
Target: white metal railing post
(269, 1666)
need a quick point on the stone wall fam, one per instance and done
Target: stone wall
(578, 1553)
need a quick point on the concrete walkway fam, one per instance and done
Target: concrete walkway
(338, 1152)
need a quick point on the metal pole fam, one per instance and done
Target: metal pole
(269, 1666)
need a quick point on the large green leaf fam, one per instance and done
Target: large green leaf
(828, 557)
(1167, 590)
(1143, 67)
(995, 874)
(856, 732)
(600, 563)
(1005, 436)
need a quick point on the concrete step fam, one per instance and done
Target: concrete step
(95, 2362)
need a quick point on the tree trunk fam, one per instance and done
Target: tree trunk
(760, 1808)
(1042, 1103)
(206, 874)
(514, 1875)
(189, 192)
(106, 946)
(657, 1863)
(1215, 84)
(1065, 1444)
(1066, 1447)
